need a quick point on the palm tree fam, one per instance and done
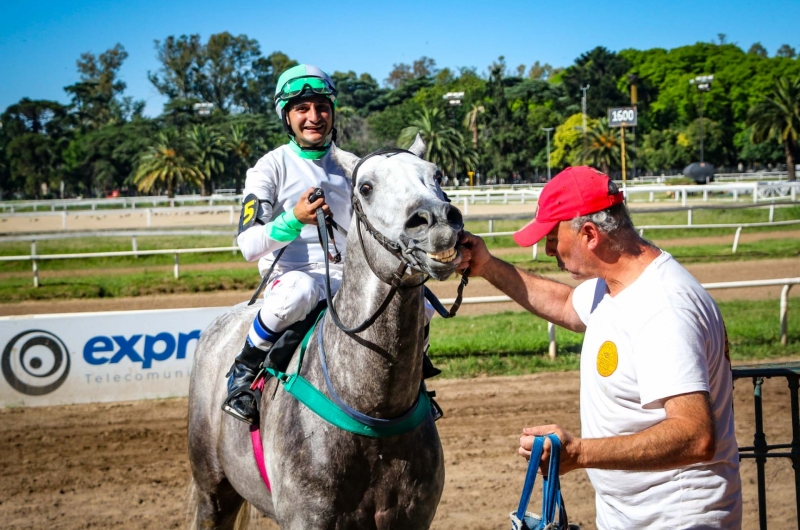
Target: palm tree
(207, 146)
(471, 122)
(244, 148)
(168, 162)
(778, 116)
(445, 145)
(603, 148)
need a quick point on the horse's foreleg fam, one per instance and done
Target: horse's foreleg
(217, 508)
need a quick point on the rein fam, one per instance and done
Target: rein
(347, 418)
(403, 251)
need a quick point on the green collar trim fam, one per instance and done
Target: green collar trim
(308, 154)
(319, 404)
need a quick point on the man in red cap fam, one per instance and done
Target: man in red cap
(657, 435)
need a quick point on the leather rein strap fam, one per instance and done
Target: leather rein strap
(402, 251)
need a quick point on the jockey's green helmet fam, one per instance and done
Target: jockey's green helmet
(302, 81)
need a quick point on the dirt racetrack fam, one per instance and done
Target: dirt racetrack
(124, 465)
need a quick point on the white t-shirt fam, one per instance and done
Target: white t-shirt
(660, 337)
(278, 179)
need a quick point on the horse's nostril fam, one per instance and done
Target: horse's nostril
(454, 217)
(418, 219)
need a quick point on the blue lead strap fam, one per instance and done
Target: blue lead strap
(551, 494)
(552, 499)
(530, 476)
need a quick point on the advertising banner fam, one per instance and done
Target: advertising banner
(99, 357)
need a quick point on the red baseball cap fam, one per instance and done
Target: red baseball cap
(574, 192)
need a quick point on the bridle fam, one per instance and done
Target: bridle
(402, 250)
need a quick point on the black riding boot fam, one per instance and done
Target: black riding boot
(428, 369)
(242, 402)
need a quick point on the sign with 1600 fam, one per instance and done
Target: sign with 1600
(622, 117)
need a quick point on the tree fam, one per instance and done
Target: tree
(168, 162)
(471, 122)
(401, 73)
(244, 148)
(540, 71)
(222, 68)
(665, 150)
(603, 148)
(207, 146)
(568, 141)
(601, 70)
(786, 51)
(256, 95)
(35, 134)
(178, 57)
(445, 145)
(778, 116)
(758, 50)
(100, 161)
(96, 98)
(356, 91)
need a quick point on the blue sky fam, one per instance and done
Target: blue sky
(40, 41)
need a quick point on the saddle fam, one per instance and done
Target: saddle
(281, 353)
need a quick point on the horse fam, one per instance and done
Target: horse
(322, 476)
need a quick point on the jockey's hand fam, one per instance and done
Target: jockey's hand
(306, 212)
(474, 253)
(570, 447)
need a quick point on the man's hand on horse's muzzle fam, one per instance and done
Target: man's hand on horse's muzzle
(306, 212)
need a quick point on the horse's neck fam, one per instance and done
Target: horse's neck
(377, 371)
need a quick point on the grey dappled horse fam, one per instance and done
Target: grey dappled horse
(321, 476)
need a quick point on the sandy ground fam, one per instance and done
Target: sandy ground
(704, 272)
(116, 220)
(124, 465)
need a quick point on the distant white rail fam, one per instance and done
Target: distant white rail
(787, 284)
(641, 229)
(149, 213)
(35, 258)
(759, 190)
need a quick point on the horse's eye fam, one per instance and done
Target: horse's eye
(365, 189)
(438, 177)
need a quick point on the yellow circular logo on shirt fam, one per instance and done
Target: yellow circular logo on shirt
(607, 359)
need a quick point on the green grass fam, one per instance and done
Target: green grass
(116, 244)
(765, 249)
(514, 343)
(671, 218)
(108, 277)
(136, 284)
(99, 279)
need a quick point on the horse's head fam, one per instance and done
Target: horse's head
(400, 196)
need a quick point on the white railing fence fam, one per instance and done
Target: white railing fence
(787, 284)
(641, 229)
(759, 190)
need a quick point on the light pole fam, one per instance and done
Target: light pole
(454, 100)
(632, 80)
(547, 132)
(583, 112)
(703, 84)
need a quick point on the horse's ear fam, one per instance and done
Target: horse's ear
(418, 147)
(345, 160)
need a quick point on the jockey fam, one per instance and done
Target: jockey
(277, 214)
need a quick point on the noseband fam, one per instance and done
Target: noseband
(402, 250)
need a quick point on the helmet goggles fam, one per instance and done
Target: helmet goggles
(305, 85)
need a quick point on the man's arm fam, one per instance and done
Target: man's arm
(541, 296)
(687, 436)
